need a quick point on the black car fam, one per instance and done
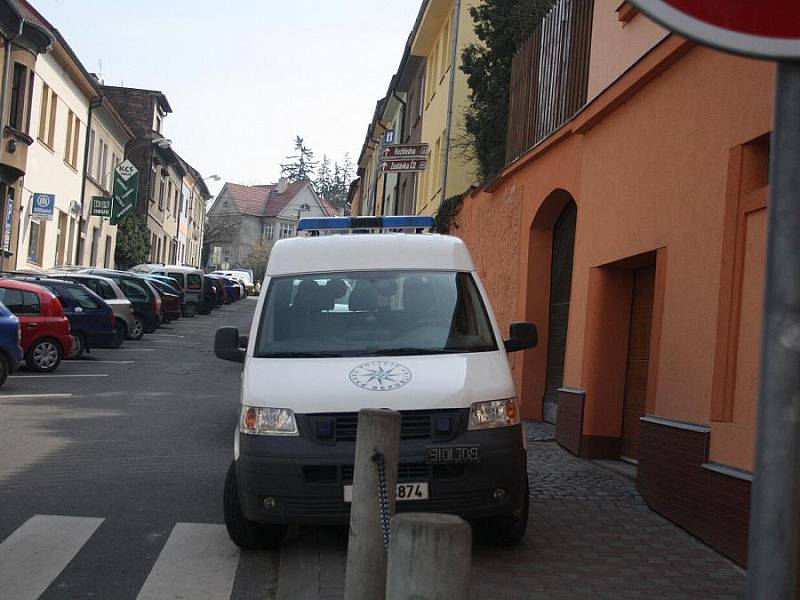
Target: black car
(144, 299)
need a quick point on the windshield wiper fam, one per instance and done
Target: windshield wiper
(405, 351)
(298, 355)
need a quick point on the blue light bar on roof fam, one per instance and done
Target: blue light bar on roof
(389, 222)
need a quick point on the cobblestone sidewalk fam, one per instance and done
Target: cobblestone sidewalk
(590, 536)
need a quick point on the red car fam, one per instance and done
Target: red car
(43, 327)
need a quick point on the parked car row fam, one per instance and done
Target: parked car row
(47, 316)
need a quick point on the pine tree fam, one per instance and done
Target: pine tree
(301, 165)
(323, 183)
(133, 242)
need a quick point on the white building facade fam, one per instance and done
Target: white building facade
(108, 135)
(61, 97)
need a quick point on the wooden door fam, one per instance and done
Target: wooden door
(560, 287)
(638, 359)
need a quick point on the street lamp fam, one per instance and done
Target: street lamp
(212, 178)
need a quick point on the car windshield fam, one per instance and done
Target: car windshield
(375, 313)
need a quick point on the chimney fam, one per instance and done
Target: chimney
(283, 184)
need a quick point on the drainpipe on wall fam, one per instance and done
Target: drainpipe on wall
(451, 86)
(402, 129)
(95, 102)
(3, 91)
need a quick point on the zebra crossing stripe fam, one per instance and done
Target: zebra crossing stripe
(33, 556)
(198, 561)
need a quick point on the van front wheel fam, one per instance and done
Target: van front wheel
(510, 529)
(246, 534)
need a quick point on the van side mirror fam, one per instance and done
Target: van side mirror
(227, 344)
(521, 336)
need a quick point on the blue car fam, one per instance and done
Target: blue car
(10, 350)
(91, 320)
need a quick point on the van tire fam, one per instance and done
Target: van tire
(508, 530)
(190, 310)
(137, 331)
(246, 534)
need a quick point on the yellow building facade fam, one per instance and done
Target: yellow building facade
(441, 22)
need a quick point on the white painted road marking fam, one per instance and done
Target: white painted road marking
(33, 556)
(198, 561)
(135, 349)
(6, 396)
(99, 362)
(57, 375)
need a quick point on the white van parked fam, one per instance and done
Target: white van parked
(374, 320)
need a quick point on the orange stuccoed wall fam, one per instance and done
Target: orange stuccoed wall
(647, 162)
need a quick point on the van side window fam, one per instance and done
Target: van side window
(195, 281)
(178, 277)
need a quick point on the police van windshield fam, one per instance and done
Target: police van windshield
(375, 313)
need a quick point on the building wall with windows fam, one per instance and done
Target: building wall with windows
(108, 136)
(432, 42)
(24, 39)
(61, 96)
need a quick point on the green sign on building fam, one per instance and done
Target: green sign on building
(101, 206)
(126, 185)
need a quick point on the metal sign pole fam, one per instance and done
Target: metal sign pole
(775, 502)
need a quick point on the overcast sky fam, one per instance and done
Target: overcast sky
(244, 76)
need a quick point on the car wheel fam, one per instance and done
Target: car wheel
(510, 529)
(246, 534)
(78, 347)
(120, 333)
(190, 310)
(4, 368)
(137, 329)
(44, 356)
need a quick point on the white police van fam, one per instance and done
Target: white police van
(374, 320)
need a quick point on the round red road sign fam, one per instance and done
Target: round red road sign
(760, 28)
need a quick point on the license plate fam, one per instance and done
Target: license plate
(403, 491)
(451, 455)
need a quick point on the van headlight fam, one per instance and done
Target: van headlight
(494, 413)
(259, 420)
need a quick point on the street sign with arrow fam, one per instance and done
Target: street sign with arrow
(125, 193)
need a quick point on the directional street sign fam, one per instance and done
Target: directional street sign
(405, 151)
(101, 206)
(404, 166)
(126, 186)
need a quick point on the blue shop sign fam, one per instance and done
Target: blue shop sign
(43, 206)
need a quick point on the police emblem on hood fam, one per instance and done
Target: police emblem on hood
(380, 376)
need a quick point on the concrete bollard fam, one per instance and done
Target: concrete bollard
(429, 558)
(378, 430)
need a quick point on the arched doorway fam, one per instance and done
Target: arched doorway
(563, 244)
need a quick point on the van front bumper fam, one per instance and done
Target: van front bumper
(307, 479)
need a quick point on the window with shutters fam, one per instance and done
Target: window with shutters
(47, 116)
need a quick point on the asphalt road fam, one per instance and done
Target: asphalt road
(111, 476)
(133, 442)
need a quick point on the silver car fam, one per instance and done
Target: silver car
(125, 326)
